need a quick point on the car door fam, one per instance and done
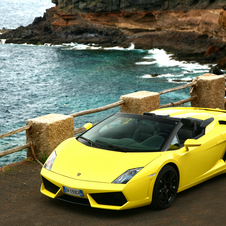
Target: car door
(199, 156)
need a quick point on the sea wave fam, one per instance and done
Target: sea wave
(165, 76)
(147, 62)
(147, 76)
(160, 62)
(2, 41)
(170, 75)
(92, 46)
(182, 80)
(164, 59)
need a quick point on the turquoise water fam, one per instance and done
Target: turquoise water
(38, 80)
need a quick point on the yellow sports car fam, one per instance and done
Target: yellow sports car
(130, 160)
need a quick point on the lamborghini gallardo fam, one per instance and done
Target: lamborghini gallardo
(129, 160)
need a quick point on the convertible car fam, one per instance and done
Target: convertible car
(129, 160)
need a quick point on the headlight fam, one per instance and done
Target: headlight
(125, 177)
(49, 163)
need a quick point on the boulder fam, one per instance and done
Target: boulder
(216, 70)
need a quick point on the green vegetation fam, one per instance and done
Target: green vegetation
(44, 157)
(6, 168)
(29, 160)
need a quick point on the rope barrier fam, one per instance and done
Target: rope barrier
(91, 111)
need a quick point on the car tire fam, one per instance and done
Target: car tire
(165, 188)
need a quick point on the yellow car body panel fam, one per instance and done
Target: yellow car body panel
(93, 170)
(203, 158)
(137, 197)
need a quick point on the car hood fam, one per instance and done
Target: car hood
(79, 161)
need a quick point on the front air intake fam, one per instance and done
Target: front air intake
(112, 198)
(50, 186)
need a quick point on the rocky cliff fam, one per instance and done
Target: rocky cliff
(192, 29)
(94, 6)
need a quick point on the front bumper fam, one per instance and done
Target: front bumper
(99, 195)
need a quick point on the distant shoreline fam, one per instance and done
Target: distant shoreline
(192, 36)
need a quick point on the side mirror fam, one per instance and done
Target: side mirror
(88, 125)
(191, 143)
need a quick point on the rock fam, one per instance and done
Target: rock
(182, 80)
(4, 30)
(216, 70)
(222, 19)
(222, 63)
(192, 30)
(37, 20)
(211, 50)
(154, 75)
(55, 2)
(139, 5)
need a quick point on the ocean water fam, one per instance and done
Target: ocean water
(68, 78)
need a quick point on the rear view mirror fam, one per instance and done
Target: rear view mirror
(88, 125)
(191, 143)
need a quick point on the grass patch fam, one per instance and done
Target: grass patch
(44, 157)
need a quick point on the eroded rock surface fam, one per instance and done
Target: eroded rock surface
(192, 29)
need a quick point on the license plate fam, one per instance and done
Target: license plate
(72, 191)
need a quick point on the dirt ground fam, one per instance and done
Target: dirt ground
(21, 203)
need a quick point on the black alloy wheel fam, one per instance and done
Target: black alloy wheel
(165, 188)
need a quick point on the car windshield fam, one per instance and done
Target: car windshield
(131, 133)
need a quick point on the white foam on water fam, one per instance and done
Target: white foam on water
(195, 67)
(182, 80)
(169, 75)
(146, 76)
(48, 44)
(120, 48)
(92, 46)
(186, 79)
(146, 62)
(165, 76)
(164, 59)
(2, 41)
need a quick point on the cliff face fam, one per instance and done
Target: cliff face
(192, 29)
(136, 6)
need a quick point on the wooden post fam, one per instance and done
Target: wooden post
(47, 132)
(140, 102)
(210, 91)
